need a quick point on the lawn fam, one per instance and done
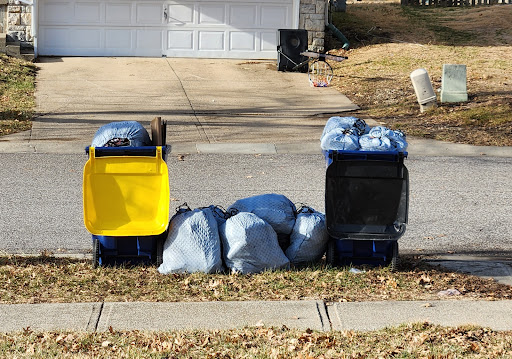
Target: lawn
(389, 42)
(17, 86)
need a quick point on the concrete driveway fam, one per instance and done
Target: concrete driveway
(203, 100)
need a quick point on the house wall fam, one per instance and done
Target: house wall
(312, 17)
(3, 16)
(19, 20)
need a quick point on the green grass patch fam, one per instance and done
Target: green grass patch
(17, 86)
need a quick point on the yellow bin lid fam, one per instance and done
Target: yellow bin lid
(126, 195)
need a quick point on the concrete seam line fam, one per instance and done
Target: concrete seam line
(328, 316)
(199, 125)
(94, 319)
(323, 308)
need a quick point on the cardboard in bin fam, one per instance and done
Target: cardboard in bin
(126, 191)
(158, 131)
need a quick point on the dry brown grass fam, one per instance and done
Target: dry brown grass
(47, 279)
(421, 340)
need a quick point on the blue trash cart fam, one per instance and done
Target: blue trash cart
(126, 200)
(366, 206)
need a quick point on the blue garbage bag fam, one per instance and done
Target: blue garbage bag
(193, 243)
(250, 245)
(369, 143)
(334, 122)
(309, 237)
(124, 133)
(340, 139)
(397, 137)
(383, 139)
(275, 209)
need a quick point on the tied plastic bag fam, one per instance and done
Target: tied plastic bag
(340, 139)
(193, 243)
(309, 237)
(396, 137)
(383, 139)
(250, 245)
(369, 143)
(124, 133)
(219, 214)
(275, 209)
(355, 123)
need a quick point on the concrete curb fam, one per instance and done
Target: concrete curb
(367, 316)
(315, 315)
(417, 147)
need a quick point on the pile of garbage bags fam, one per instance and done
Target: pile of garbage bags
(245, 237)
(353, 134)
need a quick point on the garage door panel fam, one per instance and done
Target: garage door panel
(120, 39)
(149, 39)
(211, 40)
(118, 13)
(180, 40)
(54, 38)
(87, 12)
(268, 41)
(181, 14)
(212, 14)
(244, 15)
(149, 14)
(242, 41)
(86, 38)
(56, 11)
(274, 16)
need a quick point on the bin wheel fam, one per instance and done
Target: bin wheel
(394, 258)
(159, 251)
(95, 253)
(330, 254)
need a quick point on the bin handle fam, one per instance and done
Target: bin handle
(146, 151)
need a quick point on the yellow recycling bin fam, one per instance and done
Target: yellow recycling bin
(126, 191)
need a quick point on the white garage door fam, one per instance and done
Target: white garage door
(204, 28)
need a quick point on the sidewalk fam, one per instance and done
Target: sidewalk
(315, 315)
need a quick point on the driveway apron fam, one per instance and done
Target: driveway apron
(203, 100)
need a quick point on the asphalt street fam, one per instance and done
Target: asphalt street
(457, 204)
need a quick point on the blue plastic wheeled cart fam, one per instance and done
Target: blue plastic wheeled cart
(366, 206)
